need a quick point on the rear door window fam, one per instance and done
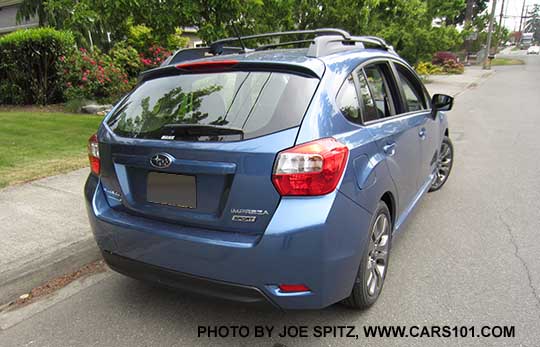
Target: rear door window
(258, 103)
(370, 109)
(375, 92)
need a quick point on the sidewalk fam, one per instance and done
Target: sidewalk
(45, 231)
(454, 85)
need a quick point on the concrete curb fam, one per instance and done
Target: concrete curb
(479, 81)
(11, 318)
(21, 279)
(455, 85)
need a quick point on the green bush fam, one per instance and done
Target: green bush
(127, 58)
(176, 41)
(10, 93)
(140, 37)
(31, 66)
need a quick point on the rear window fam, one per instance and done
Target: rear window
(258, 103)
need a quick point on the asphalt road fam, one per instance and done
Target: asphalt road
(469, 256)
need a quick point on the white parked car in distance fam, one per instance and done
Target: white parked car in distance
(534, 50)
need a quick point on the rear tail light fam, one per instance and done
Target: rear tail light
(93, 154)
(309, 169)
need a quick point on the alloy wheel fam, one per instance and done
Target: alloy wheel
(377, 262)
(444, 164)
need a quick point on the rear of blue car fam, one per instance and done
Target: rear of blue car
(198, 183)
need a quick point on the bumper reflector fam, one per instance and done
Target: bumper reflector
(293, 288)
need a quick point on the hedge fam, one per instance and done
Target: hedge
(31, 68)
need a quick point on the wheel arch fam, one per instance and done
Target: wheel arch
(389, 200)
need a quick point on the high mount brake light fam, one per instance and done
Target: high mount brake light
(93, 154)
(207, 65)
(310, 169)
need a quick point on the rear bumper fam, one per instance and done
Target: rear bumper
(315, 241)
(178, 280)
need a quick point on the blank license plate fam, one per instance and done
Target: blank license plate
(172, 190)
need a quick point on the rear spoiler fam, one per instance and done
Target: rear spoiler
(213, 66)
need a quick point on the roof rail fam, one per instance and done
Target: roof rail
(280, 44)
(325, 42)
(216, 46)
(326, 45)
(374, 40)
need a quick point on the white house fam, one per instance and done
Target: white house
(8, 13)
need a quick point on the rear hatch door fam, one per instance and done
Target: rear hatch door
(197, 148)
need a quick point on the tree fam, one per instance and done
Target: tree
(29, 9)
(448, 10)
(469, 12)
(532, 24)
(474, 9)
(406, 24)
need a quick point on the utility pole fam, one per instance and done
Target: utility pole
(521, 18)
(487, 64)
(500, 28)
(501, 15)
(523, 14)
(468, 20)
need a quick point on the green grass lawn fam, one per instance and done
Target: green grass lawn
(40, 144)
(506, 61)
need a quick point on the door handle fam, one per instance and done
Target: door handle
(422, 133)
(390, 149)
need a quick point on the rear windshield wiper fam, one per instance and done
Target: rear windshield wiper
(200, 130)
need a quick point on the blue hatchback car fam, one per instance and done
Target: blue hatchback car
(270, 174)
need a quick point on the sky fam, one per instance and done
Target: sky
(512, 9)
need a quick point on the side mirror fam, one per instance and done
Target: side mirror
(441, 102)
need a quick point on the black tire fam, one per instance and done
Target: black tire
(362, 296)
(445, 161)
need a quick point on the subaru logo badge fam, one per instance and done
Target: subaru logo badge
(161, 160)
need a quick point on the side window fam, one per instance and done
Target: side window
(375, 93)
(370, 110)
(347, 100)
(414, 97)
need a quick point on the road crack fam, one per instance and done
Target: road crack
(520, 258)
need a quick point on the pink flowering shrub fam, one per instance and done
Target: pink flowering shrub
(441, 57)
(94, 76)
(154, 56)
(448, 63)
(453, 67)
